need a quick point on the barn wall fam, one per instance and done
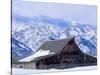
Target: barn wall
(13, 65)
(67, 61)
(17, 65)
(31, 65)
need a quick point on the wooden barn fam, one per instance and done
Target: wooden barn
(58, 54)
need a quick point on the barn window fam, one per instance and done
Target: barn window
(21, 66)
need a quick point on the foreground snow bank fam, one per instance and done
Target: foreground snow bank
(17, 71)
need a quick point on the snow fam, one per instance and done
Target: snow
(17, 71)
(73, 33)
(84, 48)
(63, 36)
(74, 23)
(37, 54)
(88, 45)
(19, 53)
(35, 35)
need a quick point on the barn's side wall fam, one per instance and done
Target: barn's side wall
(31, 65)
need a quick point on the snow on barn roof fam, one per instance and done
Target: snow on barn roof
(49, 48)
(39, 53)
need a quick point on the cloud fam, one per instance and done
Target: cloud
(83, 13)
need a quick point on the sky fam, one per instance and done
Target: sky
(85, 14)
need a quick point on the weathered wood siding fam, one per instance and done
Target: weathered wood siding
(31, 65)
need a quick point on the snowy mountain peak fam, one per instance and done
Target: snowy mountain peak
(74, 23)
(84, 35)
(71, 29)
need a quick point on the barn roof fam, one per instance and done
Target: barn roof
(49, 48)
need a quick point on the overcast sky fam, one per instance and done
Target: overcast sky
(85, 14)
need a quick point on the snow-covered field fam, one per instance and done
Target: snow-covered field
(16, 71)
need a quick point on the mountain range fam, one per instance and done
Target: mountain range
(26, 39)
